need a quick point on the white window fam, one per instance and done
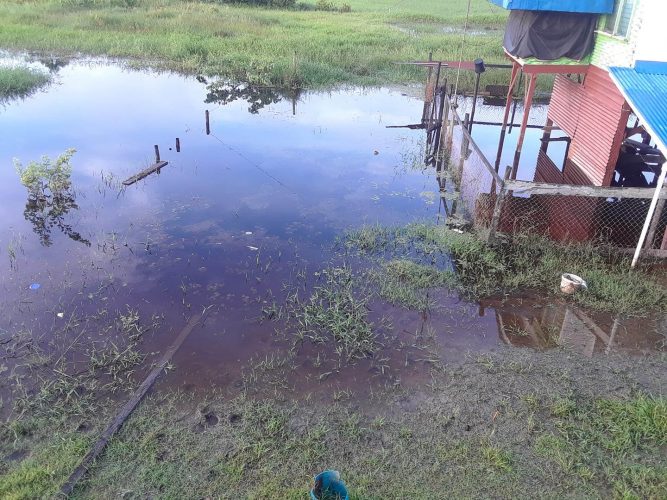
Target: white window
(618, 23)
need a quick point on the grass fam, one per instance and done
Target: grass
(336, 308)
(241, 448)
(525, 262)
(297, 47)
(18, 82)
(602, 440)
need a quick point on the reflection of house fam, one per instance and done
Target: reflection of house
(609, 99)
(538, 324)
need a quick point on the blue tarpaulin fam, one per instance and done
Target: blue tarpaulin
(587, 6)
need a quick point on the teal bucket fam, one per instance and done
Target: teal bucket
(328, 486)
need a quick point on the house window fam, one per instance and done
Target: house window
(618, 23)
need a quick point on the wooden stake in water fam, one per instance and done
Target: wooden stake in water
(178, 145)
(208, 124)
(157, 154)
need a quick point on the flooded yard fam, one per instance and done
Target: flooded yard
(266, 224)
(236, 216)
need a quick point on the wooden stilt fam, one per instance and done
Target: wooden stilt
(508, 105)
(526, 113)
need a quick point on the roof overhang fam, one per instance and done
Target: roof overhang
(644, 87)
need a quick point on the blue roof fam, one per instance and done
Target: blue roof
(584, 6)
(645, 89)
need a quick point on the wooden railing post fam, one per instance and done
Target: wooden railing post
(498, 209)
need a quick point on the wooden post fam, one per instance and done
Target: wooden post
(208, 125)
(474, 102)
(526, 113)
(445, 117)
(427, 91)
(435, 92)
(508, 104)
(648, 244)
(546, 135)
(516, 100)
(464, 148)
(157, 154)
(178, 145)
(498, 209)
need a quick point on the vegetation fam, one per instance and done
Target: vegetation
(46, 176)
(175, 446)
(524, 262)
(301, 46)
(337, 307)
(20, 82)
(603, 440)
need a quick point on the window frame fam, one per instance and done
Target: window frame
(617, 22)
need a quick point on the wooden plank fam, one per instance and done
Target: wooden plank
(575, 190)
(145, 173)
(127, 409)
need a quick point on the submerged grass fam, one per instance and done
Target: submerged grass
(524, 262)
(303, 46)
(17, 82)
(336, 308)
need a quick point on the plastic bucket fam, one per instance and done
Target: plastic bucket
(571, 283)
(329, 486)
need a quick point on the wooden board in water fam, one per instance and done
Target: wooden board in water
(144, 173)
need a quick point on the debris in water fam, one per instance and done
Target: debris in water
(35, 286)
(376, 152)
(61, 315)
(248, 233)
(254, 249)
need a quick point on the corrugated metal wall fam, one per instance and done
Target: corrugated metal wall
(594, 115)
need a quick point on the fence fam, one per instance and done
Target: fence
(610, 216)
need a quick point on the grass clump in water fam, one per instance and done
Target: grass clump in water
(524, 262)
(20, 82)
(337, 308)
(404, 282)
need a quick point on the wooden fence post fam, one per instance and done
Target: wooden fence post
(498, 209)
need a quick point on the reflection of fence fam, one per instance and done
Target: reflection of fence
(563, 212)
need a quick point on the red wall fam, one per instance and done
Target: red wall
(594, 115)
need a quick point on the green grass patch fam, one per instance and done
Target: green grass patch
(285, 47)
(407, 283)
(335, 309)
(524, 262)
(603, 440)
(18, 82)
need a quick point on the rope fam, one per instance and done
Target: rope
(251, 162)
(463, 41)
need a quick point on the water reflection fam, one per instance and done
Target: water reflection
(530, 321)
(224, 92)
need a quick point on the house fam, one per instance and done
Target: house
(609, 98)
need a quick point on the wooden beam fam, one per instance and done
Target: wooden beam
(127, 409)
(575, 190)
(145, 173)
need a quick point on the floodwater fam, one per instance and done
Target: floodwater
(235, 215)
